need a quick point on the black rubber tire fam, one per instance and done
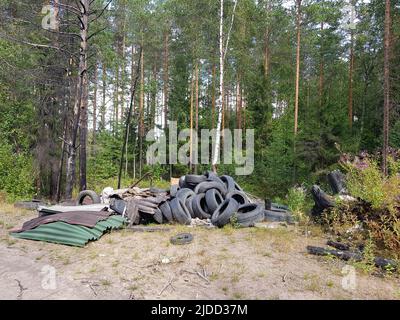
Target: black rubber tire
(336, 181)
(224, 212)
(181, 182)
(181, 238)
(274, 216)
(248, 214)
(274, 209)
(216, 179)
(229, 182)
(213, 200)
(157, 190)
(87, 193)
(173, 190)
(190, 186)
(184, 193)
(199, 206)
(207, 185)
(158, 216)
(166, 211)
(188, 204)
(238, 188)
(275, 206)
(194, 179)
(179, 211)
(210, 175)
(239, 196)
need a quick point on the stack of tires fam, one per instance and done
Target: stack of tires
(209, 196)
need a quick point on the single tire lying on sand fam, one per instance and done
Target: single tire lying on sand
(87, 193)
(182, 238)
(275, 216)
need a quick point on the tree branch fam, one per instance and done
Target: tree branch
(70, 8)
(102, 11)
(96, 32)
(38, 45)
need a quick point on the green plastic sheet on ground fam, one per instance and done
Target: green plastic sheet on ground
(68, 234)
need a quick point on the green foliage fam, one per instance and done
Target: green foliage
(366, 183)
(103, 163)
(374, 218)
(16, 174)
(296, 200)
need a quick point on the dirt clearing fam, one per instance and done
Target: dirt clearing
(248, 263)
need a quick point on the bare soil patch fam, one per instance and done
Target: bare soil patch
(249, 263)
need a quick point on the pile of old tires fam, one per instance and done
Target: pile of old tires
(209, 196)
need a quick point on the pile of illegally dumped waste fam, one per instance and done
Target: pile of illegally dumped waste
(217, 199)
(196, 200)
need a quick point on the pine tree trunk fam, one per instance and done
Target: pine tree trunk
(104, 96)
(141, 110)
(95, 103)
(296, 99)
(79, 110)
(153, 99)
(266, 53)
(238, 104)
(191, 121)
(116, 101)
(321, 71)
(350, 97)
(386, 106)
(197, 105)
(166, 78)
(85, 91)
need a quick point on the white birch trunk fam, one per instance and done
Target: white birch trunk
(217, 145)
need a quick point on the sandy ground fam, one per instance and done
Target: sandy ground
(252, 263)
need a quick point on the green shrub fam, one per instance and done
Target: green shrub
(296, 200)
(375, 212)
(16, 174)
(366, 183)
